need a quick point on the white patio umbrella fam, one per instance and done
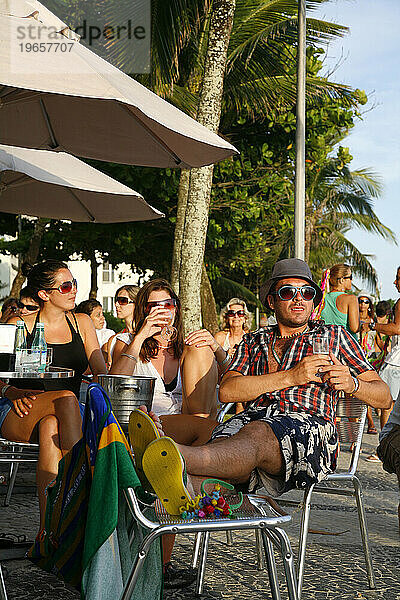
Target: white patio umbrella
(75, 101)
(59, 186)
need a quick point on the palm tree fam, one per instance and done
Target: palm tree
(338, 200)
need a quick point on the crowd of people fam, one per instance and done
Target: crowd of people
(283, 432)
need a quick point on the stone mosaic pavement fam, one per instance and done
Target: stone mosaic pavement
(335, 568)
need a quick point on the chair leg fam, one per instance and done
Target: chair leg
(288, 564)
(364, 532)
(305, 519)
(229, 538)
(137, 566)
(259, 551)
(271, 565)
(202, 566)
(196, 549)
(3, 593)
(13, 475)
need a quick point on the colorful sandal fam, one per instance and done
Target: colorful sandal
(164, 468)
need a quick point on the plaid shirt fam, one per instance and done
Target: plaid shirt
(317, 398)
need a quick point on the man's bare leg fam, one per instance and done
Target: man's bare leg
(188, 430)
(234, 458)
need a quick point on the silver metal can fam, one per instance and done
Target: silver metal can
(127, 392)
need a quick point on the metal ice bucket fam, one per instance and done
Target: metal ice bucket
(127, 392)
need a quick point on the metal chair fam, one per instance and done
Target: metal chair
(3, 593)
(14, 453)
(254, 514)
(351, 414)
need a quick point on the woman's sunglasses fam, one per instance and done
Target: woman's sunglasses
(233, 313)
(30, 307)
(288, 292)
(362, 301)
(123, 300)
(168, 303)
(65, 287)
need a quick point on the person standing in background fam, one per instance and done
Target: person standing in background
(390, 371)
(340, 307)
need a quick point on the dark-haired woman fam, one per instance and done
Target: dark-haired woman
(72, 337)
(125, 298)
(51, 416)
(186, 376)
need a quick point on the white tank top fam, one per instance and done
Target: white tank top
(164, 403)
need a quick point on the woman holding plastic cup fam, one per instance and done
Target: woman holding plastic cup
(186, 375)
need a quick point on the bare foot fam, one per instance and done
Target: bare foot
(154, 417)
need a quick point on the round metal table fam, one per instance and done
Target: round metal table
(50, 373)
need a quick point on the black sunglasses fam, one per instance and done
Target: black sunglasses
(123, 300)
(65, 287)
(30, 307)
(348, 277)
(288, 292)
(362, 301)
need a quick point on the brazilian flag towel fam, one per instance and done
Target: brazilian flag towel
(85, 541)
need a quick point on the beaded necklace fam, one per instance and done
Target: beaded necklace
(284, 337)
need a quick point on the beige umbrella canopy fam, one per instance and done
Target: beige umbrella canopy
(59, 186)
(71, 99)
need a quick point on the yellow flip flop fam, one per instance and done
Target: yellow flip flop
(142, 431)
(164, 468)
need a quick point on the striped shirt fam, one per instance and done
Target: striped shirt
(317, 398)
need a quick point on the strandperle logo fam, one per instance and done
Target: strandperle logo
(117, 30)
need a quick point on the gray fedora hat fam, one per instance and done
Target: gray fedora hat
(289, 267)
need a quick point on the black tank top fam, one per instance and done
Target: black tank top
(70, 355)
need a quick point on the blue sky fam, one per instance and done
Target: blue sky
(370, 61)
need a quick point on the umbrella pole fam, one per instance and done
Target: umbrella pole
(299, 193)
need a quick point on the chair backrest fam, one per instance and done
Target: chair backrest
(351, 414)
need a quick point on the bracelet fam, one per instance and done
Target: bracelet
(129, 356)
(4, 390)
(356, 385)
(226, 360)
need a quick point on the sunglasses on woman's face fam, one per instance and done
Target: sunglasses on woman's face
(233, 313)
(168, 303)
(65, 287)
(288, 292)
(363, 301)
(30, 307)
(123, 300)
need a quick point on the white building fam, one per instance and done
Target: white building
(109, 279)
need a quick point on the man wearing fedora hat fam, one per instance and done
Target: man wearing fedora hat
(286, 437)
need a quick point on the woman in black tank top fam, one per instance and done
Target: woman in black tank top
(70, 355)
(52, 416)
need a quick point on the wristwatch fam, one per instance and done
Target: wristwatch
(371, 326)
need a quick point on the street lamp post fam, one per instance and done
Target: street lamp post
(300, 180)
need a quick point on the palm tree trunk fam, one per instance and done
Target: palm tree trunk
(30, 256)
(198, 199)
(208, 306)
(179, 227)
